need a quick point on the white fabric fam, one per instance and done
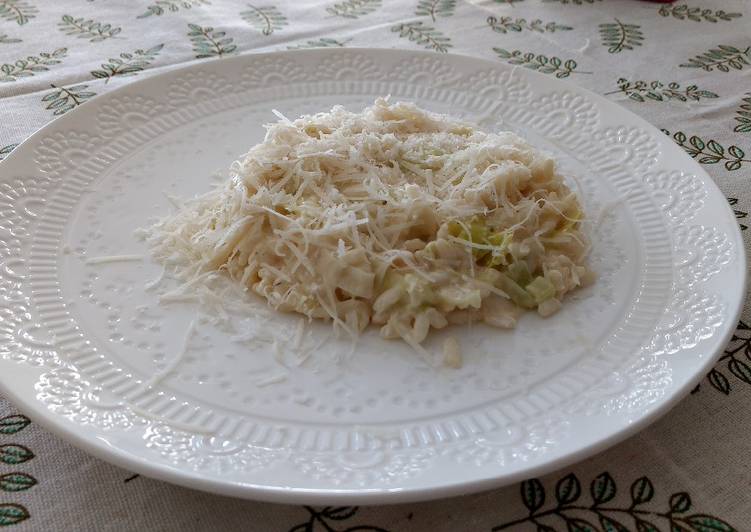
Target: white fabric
(701, 447)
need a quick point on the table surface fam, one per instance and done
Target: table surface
(685, 67)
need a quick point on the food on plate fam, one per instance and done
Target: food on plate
(394, 216)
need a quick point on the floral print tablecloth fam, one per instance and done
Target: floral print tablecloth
(685, 67)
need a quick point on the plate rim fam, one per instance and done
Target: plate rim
(65, 428)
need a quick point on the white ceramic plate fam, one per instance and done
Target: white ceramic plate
(88, 352)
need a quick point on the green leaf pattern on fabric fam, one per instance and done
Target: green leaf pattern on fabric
(13, 424)
(644, 91)
(573, 2)
(127, 64)
(62, 99)
(323, 42)
(4, 152)
(735, 362)
(33, 64)
(160, 7)
(16, 482)
(329, 518)
(697, 14)
(711, 152)
(619, 36)
(87, 29)
(547, 65)
(743, 115)
(435, 8)
(13, 454)
(19, 11)
(11, 514)
(570, 513)
(208, 42)
(510, 24)
(719, 381)
(427, 36)
(353, 8)
(4, 39)
(723, 58)
(739, 215)
(266, 19)
(603, 488)
(533, 494)
(568, 489)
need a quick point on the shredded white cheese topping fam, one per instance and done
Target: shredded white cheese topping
(393, 216)
(107, 259)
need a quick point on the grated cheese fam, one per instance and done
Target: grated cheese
(169, 368)
(393, 216)
(113, 258)
(272, 379)
(452, 355)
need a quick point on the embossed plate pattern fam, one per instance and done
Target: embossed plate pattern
(218, 401)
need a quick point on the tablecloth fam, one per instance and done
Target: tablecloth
(685, 67)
